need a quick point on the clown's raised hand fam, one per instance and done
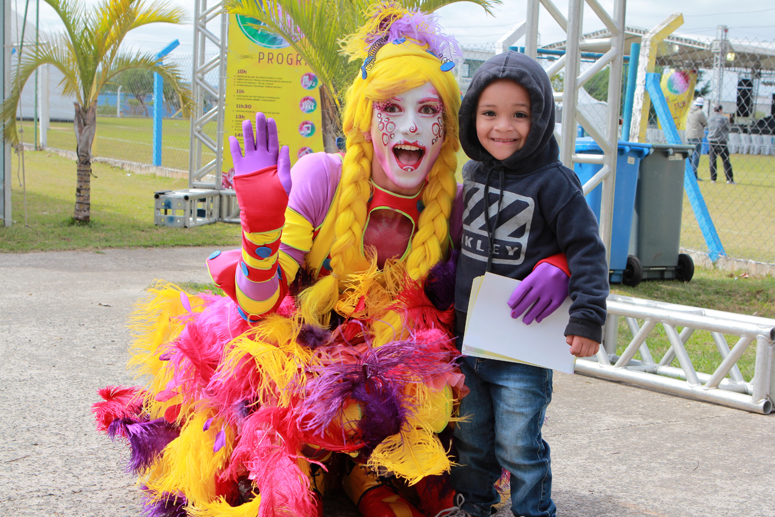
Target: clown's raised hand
(262, 152)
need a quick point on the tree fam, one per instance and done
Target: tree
(138, 83)
(314, 29)
(88, 53)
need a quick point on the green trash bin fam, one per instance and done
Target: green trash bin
(656, 233)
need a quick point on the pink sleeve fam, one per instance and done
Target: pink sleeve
(315, 178)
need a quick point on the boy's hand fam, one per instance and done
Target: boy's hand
(581, 346)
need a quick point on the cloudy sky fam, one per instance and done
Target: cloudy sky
(747, 20)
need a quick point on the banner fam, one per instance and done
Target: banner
(265, 74)
(678, 87)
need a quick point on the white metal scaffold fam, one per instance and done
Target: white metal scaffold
(207, 175)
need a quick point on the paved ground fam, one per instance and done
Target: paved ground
(617, 450)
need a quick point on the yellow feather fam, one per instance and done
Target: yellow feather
(412, 454)
(354, 45)
(189, 464)
(220, 508)
(276, 356)
(158, 319)
(433, 407)
(317, 301)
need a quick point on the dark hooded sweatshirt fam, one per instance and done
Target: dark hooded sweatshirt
(536, 205)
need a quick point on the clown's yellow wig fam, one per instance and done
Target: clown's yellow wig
(396, 68)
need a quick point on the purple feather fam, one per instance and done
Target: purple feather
(220, 440)
(245, 408)
(170, 505)
(312, 336)
(383, 408)
(425, 29)
(377, 381)
(440, 284)
(146, 439)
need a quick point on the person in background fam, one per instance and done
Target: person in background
(718, 133)
(695, 132)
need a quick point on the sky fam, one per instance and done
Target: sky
(752, 20)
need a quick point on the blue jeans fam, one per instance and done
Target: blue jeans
(695, 159)
(505, 411)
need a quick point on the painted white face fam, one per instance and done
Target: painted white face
(407, 132)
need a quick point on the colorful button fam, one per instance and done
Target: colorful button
(263, 252)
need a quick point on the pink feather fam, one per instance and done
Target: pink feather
(119, 402)
(196, 353)
(269, 449)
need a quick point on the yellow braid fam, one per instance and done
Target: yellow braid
(429, 244)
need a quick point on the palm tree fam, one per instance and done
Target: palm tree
(323, 24)
(88, 53)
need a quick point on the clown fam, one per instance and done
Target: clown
(336, 332)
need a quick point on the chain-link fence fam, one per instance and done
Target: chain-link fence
(737, 75)
(125, 120)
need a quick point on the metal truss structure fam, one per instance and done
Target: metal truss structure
(755, 396)
(574, 81)
(208, 98)
(724, 386)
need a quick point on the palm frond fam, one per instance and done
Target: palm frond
(169, 72)
(429, 6)
(158, 12)
(57, 56)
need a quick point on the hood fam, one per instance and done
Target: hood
(540, 147)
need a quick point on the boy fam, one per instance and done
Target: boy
(535, 209)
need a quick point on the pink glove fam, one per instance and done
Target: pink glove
(262, 152)
(542, 292)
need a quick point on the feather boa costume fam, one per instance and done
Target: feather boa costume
(249, 394)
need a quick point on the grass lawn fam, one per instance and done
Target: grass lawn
(122, 210)
(742, 213)
(131, 139)
(713, 289)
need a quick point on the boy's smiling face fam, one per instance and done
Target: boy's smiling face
(503, 118)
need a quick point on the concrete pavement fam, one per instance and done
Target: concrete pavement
(617, 450)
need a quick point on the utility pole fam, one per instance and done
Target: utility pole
(158, 104)
(5, 88)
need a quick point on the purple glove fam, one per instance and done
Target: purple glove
(262, 152)
(542, 291)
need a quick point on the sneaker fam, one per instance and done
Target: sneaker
(731, 182)
(699, 179)
(713, 181)
(455, 511)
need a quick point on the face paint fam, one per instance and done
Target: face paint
(407, 132)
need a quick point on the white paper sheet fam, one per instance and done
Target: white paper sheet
(492, 333)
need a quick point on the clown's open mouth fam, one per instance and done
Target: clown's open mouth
(408, 155)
